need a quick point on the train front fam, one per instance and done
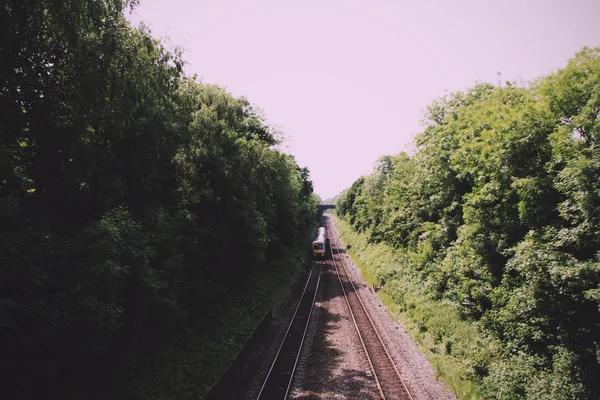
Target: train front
(319, 248)
(320, 244)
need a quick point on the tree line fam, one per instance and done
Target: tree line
(131, 197)
(498, 214)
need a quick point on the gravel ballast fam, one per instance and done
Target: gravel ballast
(335, 366)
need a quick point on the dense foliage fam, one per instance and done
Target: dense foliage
(132, 199)
(498, 214)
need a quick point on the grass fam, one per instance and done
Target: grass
(446, 340)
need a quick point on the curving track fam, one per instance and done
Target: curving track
(389, 381)
(279, 378)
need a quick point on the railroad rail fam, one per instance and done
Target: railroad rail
(389, 381)
(278, 382)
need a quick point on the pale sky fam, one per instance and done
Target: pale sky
(348, 81)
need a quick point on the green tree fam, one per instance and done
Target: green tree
(498, 214)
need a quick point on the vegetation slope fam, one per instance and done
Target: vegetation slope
(496, 218)
(141, 212)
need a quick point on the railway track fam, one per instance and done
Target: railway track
(389, 381)
(279, 379)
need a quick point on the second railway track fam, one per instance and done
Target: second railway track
(389, 381)
(279, 379)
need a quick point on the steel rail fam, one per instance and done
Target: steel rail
(391, 360)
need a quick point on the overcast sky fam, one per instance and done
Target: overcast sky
(348, 81)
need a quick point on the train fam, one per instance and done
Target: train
(320, 244)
